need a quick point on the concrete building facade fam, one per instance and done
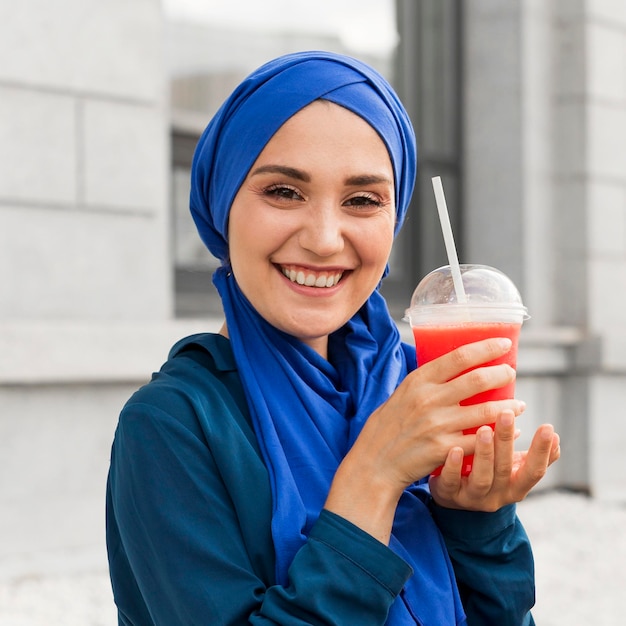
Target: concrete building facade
(87, 293)
(85, 276)
(545, 139)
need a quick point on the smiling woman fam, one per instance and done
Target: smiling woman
(324, 215)
(278, 472)
(211, 46)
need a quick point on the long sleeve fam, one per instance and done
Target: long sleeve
(189, 524)
(493, 564)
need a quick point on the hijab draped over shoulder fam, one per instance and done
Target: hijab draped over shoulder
(307, 411)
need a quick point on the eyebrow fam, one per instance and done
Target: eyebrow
(292, 172)
(367, 179)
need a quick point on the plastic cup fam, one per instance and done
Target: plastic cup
(440, 323)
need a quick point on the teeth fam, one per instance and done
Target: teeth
(324, 279)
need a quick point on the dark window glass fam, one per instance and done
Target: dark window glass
(428, 80)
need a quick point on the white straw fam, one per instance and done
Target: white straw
(448, 239)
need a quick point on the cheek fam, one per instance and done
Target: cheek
(254, 235)
(239, 240)
(251, 219)
(377, 243)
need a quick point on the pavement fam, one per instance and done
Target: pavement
(580, 551)
(579, 545)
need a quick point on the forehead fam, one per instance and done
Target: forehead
(324, 130)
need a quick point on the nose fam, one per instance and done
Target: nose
(322, 233)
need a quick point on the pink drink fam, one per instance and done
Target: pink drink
(440, 324)
(433, 341)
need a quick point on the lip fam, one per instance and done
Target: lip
(307, 273)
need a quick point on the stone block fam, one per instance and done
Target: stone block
(111, 47)
(37, 146)
(607, 220)
(606, 138)
(614, 353)
(570, 151)
(607, 438)
(77, 352)
(569, 69)
(125, 156)
(607, 299)
(613, 11)
(606, 63)
(83, 265)
(55, 451)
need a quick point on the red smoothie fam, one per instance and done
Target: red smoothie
(432, 341)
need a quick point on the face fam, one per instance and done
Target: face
(311, 228)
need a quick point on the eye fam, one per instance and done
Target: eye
(364, 200)
(285, 192)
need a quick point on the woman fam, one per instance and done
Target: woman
(274, 473)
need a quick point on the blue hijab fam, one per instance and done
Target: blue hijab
(306, 429)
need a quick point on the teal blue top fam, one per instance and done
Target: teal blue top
(189, 523)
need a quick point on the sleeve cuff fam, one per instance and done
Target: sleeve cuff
(473, 525)
(362, 550)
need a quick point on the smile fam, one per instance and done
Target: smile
(309, 278)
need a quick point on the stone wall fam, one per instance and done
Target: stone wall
(85, 273)
(545, 139)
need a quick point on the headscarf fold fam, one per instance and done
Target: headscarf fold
(307, 411)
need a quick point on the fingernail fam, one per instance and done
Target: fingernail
(485, 434)
(505, 343)
(456, 456)
(507, 418)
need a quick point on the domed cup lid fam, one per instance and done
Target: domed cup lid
(491, 297)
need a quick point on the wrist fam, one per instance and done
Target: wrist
(360, 495)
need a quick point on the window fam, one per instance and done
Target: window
(194, 265)
(428, 81)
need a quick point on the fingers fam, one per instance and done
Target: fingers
(555, 450)
(452, 379)
(504, 449)
(478, 353)
(499, 475)
(480, 480)
(493, 456)
(467, 357)
(475, 415)
(466, 390)
(543, 451)
(447, 486)
(485, 378)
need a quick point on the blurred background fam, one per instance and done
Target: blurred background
(519, 105)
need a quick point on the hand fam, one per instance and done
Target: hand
(499, 475)
(410, 434)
